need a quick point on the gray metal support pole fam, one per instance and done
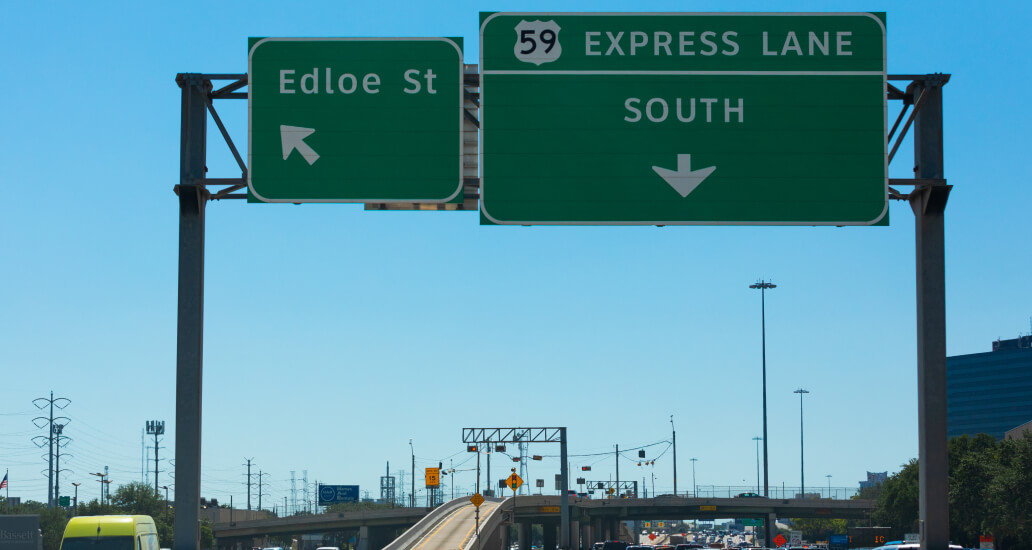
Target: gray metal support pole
(564, 497)
(190, 332)
(929, 204)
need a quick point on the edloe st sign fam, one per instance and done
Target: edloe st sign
(641, 119)
(355, 119)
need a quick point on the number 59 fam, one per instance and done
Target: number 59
(547, 37)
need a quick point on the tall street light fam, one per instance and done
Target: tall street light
(75, 507)
(802, 480)
(763, 286)
(165, 487)
(695, 488)
(412, 497)
(101, 480)
(757, 440)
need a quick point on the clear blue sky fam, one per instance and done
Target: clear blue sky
(333, 335)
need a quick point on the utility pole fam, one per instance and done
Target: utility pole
(40, 422)
(260, 483)
(618, 467)
(58, 430)
(672, 429)
(249, 482)
(156, 428)
(412, 497)
(75, 501)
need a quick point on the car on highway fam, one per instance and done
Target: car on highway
(615, 545)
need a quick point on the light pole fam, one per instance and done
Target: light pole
(165, 487)
(802, 480)
(101, 480)
(675, 456)
(695, 488)
(412, 497)
(75, 506)
(829, 485)
(763, 286)
(757, 440)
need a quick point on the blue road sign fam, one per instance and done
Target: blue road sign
(332, 494)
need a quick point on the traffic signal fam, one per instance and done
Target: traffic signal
(471, 448)
(536, 457)
(499, 448)
(641, 453)
(585, 468)
(515, 459)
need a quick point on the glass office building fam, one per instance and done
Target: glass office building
(990, 392)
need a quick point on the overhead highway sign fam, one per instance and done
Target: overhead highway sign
(355, 119)
(680, 118)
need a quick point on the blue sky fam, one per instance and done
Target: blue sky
(333, 335)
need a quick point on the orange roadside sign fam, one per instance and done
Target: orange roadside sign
(433, 477)
(477, 500)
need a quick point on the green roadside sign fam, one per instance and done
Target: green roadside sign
(64, 501)
(748, 522)
(702, 119)
(355, 119)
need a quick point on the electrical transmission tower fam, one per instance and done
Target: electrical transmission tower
(261, 487)
(156, 428)
(293, 490)
(48, 423)
(248, 474)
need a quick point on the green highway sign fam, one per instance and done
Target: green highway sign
(717, 119)
(355, 119)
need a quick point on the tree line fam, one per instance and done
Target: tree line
(990, 493)
(133, 498)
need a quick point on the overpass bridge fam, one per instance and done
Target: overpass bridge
(452, 525)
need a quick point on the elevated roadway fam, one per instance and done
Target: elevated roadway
(452, 525)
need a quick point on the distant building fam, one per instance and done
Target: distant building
(1019, 432)
(874, 479)
(990, 392)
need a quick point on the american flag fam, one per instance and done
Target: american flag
(3, 483)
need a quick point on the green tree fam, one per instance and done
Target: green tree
(1009, 496)
(974, 463)
(897, 505)
(207, 535)
(815, 529)
(138, 498)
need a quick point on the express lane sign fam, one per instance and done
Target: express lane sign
(775, 119)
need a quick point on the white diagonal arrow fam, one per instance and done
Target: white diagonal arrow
(684, 180)
(294, 138)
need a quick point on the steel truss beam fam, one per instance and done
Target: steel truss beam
(511, 435)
